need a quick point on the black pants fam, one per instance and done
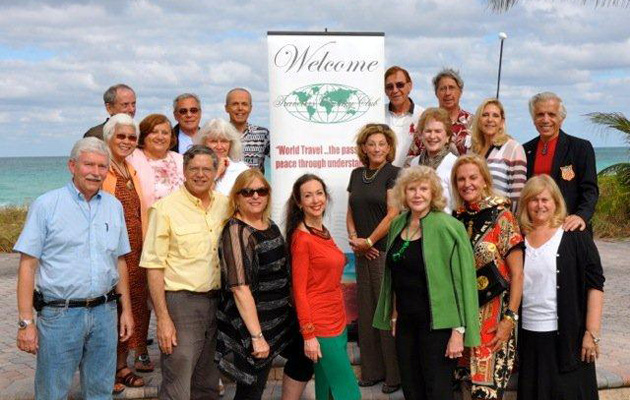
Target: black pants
(425, 373)
(539, 375)
(298, 367)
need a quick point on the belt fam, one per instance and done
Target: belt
(88, 303)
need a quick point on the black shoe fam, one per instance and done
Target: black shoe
(387, 389)
(368, 383)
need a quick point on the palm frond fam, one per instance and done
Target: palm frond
(621, 171)
(505, 5)
(614, 120)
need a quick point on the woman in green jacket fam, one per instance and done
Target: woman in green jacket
(428, 296)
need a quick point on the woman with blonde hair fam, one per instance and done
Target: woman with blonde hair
(256, 321)
(370, 211)
(498, 248)
(562, 300)
(505, 156)
(428, 296)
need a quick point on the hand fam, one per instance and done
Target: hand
(455, 346)
(166, 334)
(590, 351)
(312, 350)
(503, 333)
(222, 167)
(126, 325)
(27, 339)
(573, 222)
(393, 324)
(372, 253)
(261, 348)
(358, 245)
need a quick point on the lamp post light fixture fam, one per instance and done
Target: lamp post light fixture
(502, 37)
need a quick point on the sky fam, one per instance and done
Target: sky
(58, 57)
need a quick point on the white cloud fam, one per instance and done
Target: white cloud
(57, 57)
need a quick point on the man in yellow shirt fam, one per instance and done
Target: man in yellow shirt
(180, 254)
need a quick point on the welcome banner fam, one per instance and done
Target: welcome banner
(323, 88)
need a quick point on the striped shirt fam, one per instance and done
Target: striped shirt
(255, 141)
(508, 167)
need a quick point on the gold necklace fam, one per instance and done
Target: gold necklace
(125, 174)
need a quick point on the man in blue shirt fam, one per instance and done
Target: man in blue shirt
(72, 249)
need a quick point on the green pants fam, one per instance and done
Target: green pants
(334, 377)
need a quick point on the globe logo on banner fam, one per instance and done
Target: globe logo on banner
(326, 103)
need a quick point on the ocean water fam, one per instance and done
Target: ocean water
(23, 179)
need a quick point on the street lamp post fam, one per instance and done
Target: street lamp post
(502, 36)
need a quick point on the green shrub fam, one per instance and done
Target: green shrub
(612, 214)
(11, 222)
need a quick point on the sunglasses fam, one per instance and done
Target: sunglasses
(122, 136)
(399, 85)
(184, 111)
(247, 192)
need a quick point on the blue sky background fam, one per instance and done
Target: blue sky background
(57, 57)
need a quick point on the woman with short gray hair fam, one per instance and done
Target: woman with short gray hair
(224, 140)
(120, 133)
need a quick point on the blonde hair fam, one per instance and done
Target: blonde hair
(535, 186)
(418, 173)
(483, 170)
(373, 129)
(478, 138)
(245, 178)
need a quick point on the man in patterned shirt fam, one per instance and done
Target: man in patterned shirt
(255, 139)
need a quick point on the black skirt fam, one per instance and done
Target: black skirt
(539, 377)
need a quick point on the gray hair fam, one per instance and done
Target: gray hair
(109, 97)
(544, 96)
(115, 121)
(238, 89)
(198, 149)
(89, 145)
(221, 129)
(448, 73)
(185, 96)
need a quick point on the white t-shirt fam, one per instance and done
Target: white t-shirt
(540, 306)
(404, 126)
(224, 185)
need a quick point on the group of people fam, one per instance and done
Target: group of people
(462, 238)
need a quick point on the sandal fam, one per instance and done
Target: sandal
(143, 363)
(129, 379)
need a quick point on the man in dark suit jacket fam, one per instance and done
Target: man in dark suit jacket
(187, 113)
(569, 160)
(119, 98)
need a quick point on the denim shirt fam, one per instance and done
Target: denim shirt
(76, 242)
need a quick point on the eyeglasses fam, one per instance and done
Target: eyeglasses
(196, 170)
(122, 136)
(399, 85)
(184, 111)
(248, 192)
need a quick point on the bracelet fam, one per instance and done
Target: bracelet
(258, 336)
(369, 242)
(596, 339)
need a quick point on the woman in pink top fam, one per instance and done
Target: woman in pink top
(161, 171)
(317, 265)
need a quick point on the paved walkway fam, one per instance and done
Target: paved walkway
(17, 369)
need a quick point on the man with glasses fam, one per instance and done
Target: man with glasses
(255, 139)
(187, 113)
(401, 113)
(182, 261)
(118, 99)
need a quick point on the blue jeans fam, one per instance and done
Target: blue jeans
(71, 338)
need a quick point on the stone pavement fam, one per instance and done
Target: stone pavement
(17, 369)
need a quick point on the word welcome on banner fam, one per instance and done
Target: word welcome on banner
(323, 88)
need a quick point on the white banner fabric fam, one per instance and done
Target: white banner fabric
(323, 88)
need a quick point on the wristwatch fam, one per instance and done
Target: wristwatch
(511, 315)
(23, 323)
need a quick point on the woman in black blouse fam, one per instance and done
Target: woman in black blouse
(370, 212)
(562, 300)
(256, 320)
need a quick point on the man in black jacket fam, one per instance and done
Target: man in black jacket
(187, 113)
(569, 160)
(119, 98)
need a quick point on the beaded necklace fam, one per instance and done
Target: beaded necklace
(397, 256)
